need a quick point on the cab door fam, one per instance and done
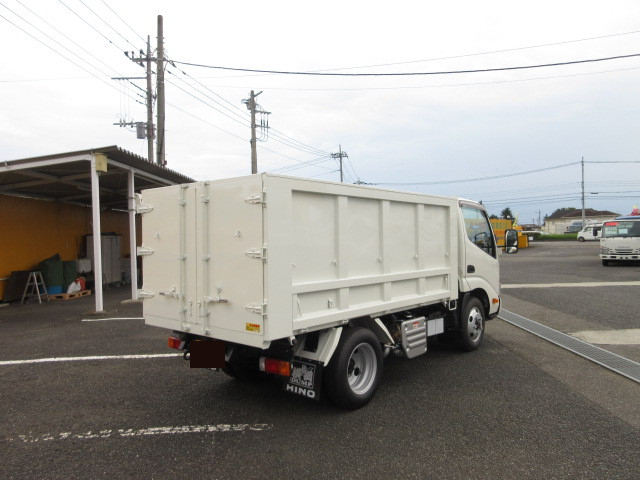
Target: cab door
(480, 253)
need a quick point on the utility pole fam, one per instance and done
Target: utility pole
(582, 165)
(251, 105)
(144, 130)
(254, 108)
(150, 129)
(160, 87)
(340, 155)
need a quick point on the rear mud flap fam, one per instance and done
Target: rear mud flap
(305, 378)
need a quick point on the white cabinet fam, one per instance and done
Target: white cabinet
(111, 270)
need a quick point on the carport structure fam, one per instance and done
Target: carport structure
(100, 178)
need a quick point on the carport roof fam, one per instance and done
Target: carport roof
(66, 177)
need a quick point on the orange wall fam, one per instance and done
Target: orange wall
(32, 230)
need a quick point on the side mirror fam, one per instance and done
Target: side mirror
(511, 241)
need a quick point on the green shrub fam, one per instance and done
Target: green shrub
(557, 238)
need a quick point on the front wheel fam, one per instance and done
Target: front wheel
(581, 239)
(353, 374)
(472, 324)
(605, 263)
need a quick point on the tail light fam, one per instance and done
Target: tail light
(175, 342)
(274, 366)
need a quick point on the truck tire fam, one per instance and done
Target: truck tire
(581, 239)
(471, 324)
(353, 374)
(605, 263)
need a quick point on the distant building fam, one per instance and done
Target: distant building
(563, 219)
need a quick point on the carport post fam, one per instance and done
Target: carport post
(132, 235)
(97, 238)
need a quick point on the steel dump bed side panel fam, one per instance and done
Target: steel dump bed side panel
(338, 251)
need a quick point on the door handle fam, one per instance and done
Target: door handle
(471, 269)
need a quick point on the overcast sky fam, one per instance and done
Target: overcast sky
(447, 130)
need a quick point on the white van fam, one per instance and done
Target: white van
(590, 232)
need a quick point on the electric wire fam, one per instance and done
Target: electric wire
(445, 85)
(408, 74)
(59, 53)
(491, 52)
(91, 26)
(75, 43)
(276, 134)
(122, 20)
(284, 138)
(478, 179)
(308, 163)
(229, 116)
(109, 25)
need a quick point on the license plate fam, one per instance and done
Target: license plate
(206, 354)
(305, 379)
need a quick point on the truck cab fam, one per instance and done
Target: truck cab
(620, 241)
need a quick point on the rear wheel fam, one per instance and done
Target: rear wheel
(472, 324)
(353, 374)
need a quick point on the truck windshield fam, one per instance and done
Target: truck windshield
(624, 228)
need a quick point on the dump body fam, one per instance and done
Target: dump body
(255, 259)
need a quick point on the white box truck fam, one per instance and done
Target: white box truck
(313, 281)
(620, 240)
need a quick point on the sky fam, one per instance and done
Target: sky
(508, 138)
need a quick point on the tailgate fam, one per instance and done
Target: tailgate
(202, 262)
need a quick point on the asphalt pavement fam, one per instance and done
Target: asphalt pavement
(519, 407)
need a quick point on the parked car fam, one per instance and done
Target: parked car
(590, 232)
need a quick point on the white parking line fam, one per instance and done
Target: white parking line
(110, 319)
(630, 336)
(579, 284)
(143, 432)
(87, 359)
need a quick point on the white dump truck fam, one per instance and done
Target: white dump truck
(620, 240)
(312, 281)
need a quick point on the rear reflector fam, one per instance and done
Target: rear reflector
(175, 342)
(274, 366)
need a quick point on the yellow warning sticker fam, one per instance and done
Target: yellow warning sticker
(253, 327)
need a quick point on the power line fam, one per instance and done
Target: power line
(91, 26)
(478, 179)
(506, 50)
(241, 121)
(130, 28)
(58, 53)
(401, 74)
(276, 134)
(309, 163)
(70, 40)
(446, 85)
(108, 24)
